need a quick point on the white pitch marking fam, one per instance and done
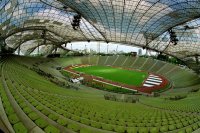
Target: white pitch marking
(154, 76)
(154, 83)
(148, 85)
(154, 80)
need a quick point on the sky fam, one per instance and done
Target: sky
(103, 47)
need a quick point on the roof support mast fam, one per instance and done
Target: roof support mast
(2, 44)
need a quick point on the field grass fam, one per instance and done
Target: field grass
(129, 77)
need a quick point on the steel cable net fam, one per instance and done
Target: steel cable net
(142, 23)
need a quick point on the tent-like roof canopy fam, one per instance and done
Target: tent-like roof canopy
(144, 23)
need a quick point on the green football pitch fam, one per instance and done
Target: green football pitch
(129, 77)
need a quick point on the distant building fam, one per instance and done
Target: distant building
(139, 52)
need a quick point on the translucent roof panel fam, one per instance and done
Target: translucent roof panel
(142, 23)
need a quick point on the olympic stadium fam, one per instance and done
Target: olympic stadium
(99, 66)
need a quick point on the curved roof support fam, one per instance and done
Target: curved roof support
(29, 28)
